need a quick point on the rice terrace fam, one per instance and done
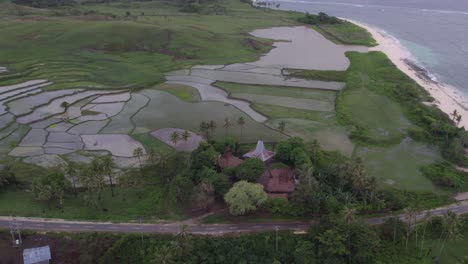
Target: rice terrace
(169, 105)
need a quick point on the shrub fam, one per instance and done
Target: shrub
(445, 175)
(250, 170)
(300, 158)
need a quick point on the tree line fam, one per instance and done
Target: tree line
(336, 238)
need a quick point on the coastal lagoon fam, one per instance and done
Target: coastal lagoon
(433, 31)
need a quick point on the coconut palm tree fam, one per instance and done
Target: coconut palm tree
(107, 166)
(454, 114)
(452, 228)
(349, 214)
(227, 124)
(282, 126)
(138, 153)
(186, 135)
(175, 137)
(427, 218)
(409, 214)
(205, 129)
(458, 120)
(71, 170)
(241, 123)
(152, 156)
(212, 127)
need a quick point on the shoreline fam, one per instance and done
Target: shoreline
(445, 96)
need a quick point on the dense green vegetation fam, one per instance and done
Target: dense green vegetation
(339, 31)
(345, 239)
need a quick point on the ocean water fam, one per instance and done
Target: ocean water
(434, 31)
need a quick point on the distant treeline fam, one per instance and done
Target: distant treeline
(44, 3)
(321, 18)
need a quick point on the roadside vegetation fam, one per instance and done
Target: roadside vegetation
(337, 30)
(341, 239)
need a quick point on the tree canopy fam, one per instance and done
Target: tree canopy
(245, 197)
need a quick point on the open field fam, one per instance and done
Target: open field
(399, 166)
(377, 118)
(103, 51)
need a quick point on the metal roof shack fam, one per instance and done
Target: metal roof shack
(39, 255)
(260, 152)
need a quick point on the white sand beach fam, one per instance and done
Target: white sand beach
(447, 98)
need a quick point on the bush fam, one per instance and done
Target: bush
(444, 174)
(300, 158)
(281, 207)
(250, 170)
(320, 19)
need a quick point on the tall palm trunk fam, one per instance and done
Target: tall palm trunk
(111, 184)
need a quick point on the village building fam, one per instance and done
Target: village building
(260, 152)
(39, 255)
(278, 183)
(227, 160)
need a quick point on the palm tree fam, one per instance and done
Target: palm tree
(71, 170)
(459, 119)
(98, 176)
(205, 129)
(164, 255)
(282, 126)
(138, 153)
(175, 138)
(409, 214)
(152, 156)
(454, 114)
(349, 214)
(227, 124)
(212, 127)
(452, 228)
(107, 166)
(241, 123)
(125, 182)
(186, 135)
(306, 175)
(426, 219)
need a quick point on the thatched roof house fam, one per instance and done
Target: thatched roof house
(278, 183)
(227, 160)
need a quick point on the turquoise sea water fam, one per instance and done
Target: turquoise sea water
(434, 31)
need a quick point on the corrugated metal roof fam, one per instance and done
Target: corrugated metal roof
(36, 255)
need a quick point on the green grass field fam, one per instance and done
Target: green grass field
(362, 104)
(346, 33)
(114, 50)
(183, 92)
(399, 166)
(152, 204)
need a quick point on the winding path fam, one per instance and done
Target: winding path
(209, 229)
